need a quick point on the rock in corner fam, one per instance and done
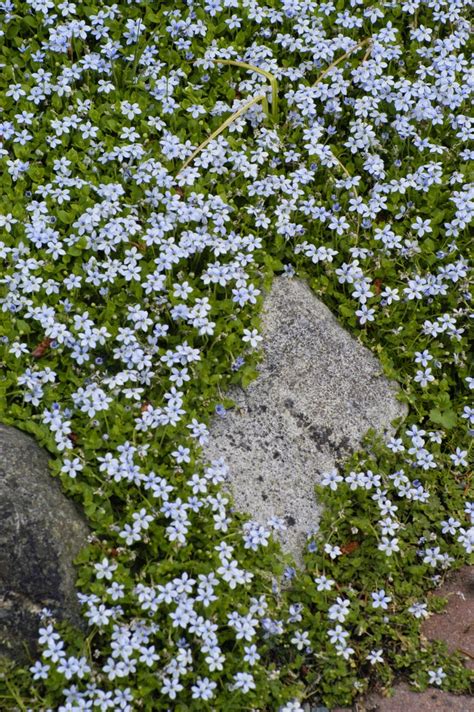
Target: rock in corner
(41, 532)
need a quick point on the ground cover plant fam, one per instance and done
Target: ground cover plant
(160, 162)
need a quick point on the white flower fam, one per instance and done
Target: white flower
(7, 221)
(72, 467)
(459, 457)
(203, 689)
(421, 226)
(469, 510)
(380, 599)
(105, 569)
(251, 655)
(292, 706)
(375, 656)
(323, 583)
(339, 610)
(365, 314)
(252, 337)
(99, 615)
(332, 551)
(419, 610)
(243, 681)
(450, 525)
(331, 479)
(301, 640)
(437, 676)
(18, 348)
(171, 686)
(432, 556)
(388, 546)
(338, 635)
(345, 651)
(40, 670)
(466, 539)
(424, 377)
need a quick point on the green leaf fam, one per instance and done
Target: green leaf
(447, 418)
(345, 310)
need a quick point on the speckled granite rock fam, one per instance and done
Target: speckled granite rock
(41, 532)
(317, 394)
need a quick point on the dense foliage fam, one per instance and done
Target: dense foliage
(135, 253)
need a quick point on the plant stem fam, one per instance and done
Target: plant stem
(15, 696)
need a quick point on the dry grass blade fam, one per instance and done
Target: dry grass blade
(219, 130)
(367, 40)
(251, 67)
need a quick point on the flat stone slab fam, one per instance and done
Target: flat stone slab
(318, 392)
(406, 700)
(456, 624)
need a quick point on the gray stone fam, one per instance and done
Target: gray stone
(318, 392)
(41, 532)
